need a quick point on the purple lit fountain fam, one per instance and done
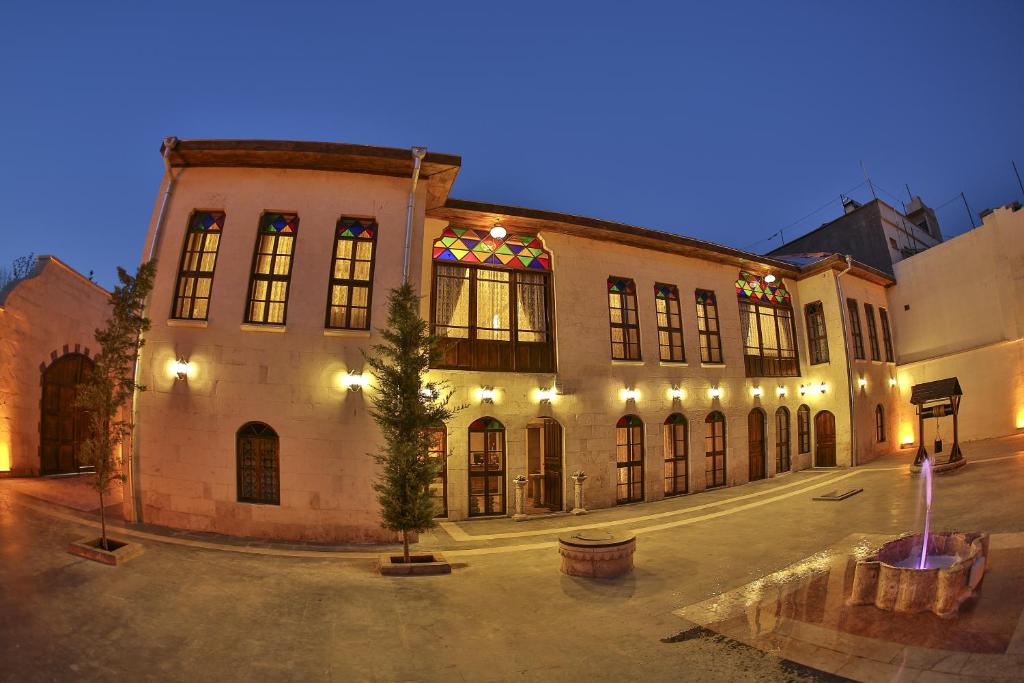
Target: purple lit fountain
(924, 572)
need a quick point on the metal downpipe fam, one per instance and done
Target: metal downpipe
(849, 363)
(417, 159)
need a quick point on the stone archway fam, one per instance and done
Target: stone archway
(62, 427)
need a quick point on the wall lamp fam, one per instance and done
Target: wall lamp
(181, 369)
(769, 278)
(630, 394)
(822, 387)
(498, 232)
(715, 392)
(803, 390)
(892, 381)
(756, 392)
(861, 382)
(676, 393)
(781, 391)
(546, 395)
(487, 394)
(428, 392)
(355, 381)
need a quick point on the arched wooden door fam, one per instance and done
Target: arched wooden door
(62, 427)
(486, 467)
(756, 442)
(824, 439)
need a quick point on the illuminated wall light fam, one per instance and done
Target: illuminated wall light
(756, 392)
(861, 382)
(675, 393)
(892, 381)
(355, 381)
(428, 392)
(781, 391)
(803, 390)
(498, 232)
(487, 394)
(180, 369)
(629, 394)
(769, 278)
(1020, 419)
(715, 392)
(822, 387)
(546, 395)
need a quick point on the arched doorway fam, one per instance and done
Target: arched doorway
(629, 459)
(782, 447)
(486, 467)
(714, 450)
(824, 439)
(756, 450)
(676, 455)
(62, 427)
(544, 464)
(259, 479)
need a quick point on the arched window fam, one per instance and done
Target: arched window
(486, 467)
(714, 449)
(629, 459)
(879, 423)
(767, 327)
(676, 452)
(256, 448)
(439, 453)
(803, 429)
(62, 425)
(782, 463)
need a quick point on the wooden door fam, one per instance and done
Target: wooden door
(62, 427)
(552, 465)
(825, 439)
(755, 437)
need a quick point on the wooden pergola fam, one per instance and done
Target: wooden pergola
(934, 400)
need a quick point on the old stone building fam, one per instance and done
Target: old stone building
(657, 364)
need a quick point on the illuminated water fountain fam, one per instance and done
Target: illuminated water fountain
(923, 572)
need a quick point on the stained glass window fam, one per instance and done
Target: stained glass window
(198, 260)
(886, 335)
(767, 327)
(869, 315)
(469, 245)
(707, 326)
(629, 459)
(754, 287)
(486, 467)
(857, 337)
(676, 451)
(258, 464)
(272, 269)
(625, 327)
(817, 333)
(351, 284)
(670, 323)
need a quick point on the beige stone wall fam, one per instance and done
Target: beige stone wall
(287, 379)
(959, 312)
(51, 313)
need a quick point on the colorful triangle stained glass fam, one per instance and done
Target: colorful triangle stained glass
(280, 223)
(753, 287)
(470, 245)
(207, 221)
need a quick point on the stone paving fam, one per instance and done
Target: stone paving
(204, 608)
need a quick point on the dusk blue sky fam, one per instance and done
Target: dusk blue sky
(723, 121)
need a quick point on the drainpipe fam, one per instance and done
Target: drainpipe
(417, 158)
(170, 143)
(849, 362)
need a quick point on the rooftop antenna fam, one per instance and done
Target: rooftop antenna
(908, 191)
(868, 178)
(1018, 176)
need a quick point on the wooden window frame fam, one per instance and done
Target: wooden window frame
(624, 299)
(879, 424)
(673, 460)
(487, 474)
(179, 301)
(711, 454)
(513, 355)
(270, 277)
(351, 282)
(706, 313)
(783, 447)
(883, 315)
(441, 454)
(817, 335)
(759, 364)
(263, 498)
(856, 335)
(869, 315)
(669, 329)
(803, 429)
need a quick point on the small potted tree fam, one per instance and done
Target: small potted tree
(406, 412)
(105, 397)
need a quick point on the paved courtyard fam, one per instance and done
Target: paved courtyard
(708, 599)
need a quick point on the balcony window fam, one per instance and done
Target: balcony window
(767, 328)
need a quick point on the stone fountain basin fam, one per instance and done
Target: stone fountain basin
(890, 579)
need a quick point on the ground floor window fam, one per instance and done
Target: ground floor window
(629, 458)
(782, 459)
(486, 467)
(714, 449)
(258, 464)
(439, 486)
(879, 423)
(676, 453)
(803, 429)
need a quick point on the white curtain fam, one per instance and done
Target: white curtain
(452, 301)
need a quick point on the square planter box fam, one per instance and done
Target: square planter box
(90, 549)
(420, 564)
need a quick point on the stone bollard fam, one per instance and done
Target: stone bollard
(577, 480)
(520, 512)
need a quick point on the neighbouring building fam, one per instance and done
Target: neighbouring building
(875, 234)
(958, 309)
(47, 320)
(658, 364)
